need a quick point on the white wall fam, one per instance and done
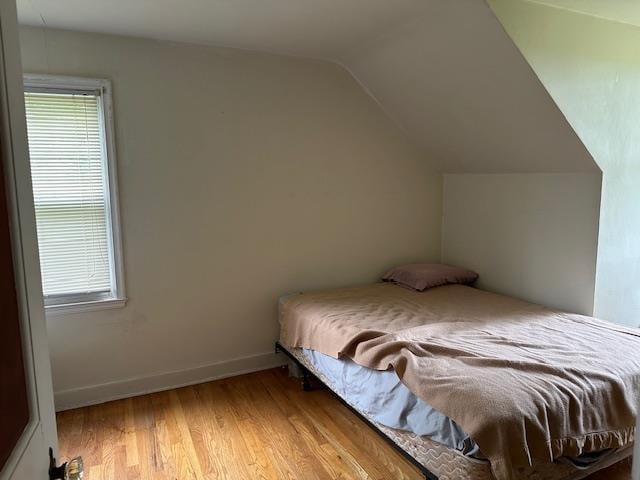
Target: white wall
(591, 67)
(533, 236)
(242, 176)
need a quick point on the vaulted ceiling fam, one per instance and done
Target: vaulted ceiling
(444, 70)
(461, 89)
(310, 28)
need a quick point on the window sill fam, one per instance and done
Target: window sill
(81, 307)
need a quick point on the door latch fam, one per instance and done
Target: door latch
(73, 470)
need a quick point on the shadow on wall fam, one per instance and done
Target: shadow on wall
(532, 236)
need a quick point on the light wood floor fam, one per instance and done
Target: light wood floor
(257, 426)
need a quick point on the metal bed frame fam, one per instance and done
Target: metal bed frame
(308, 378)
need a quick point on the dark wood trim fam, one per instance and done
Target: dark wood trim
(14, 403)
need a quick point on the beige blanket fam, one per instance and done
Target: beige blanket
(528, 384)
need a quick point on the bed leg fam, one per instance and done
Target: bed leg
(306, 382)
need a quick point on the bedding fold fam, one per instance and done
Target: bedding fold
(528, 384)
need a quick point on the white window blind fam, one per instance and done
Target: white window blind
(70, 187)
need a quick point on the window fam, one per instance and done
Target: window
(73, 172)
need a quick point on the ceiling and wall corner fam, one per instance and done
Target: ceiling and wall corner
(314, 29)
(622, 11)
(446, 72)
(456, 83)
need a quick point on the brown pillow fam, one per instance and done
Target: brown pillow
(421, 276)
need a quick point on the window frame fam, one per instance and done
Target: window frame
(75, 303)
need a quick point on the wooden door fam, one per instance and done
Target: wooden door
(27, 418)
(14, 403)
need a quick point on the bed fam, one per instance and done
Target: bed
(332, 335)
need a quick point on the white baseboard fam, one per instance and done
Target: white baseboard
(132, 387)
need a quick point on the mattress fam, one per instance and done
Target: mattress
(389, 402)
(450, 462)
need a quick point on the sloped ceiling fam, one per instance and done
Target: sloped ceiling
(310, 28)
(444, 70)
(461, 89)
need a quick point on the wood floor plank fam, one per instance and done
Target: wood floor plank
(130, 440)
(91, 438)
(260, 426)
(338, 462)
(231, 450)
(120, 467)
(254, 434)
(293, 409)
(145, 439)
(189, 441)
(287, 438)
(205, 434)
(288, 395)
